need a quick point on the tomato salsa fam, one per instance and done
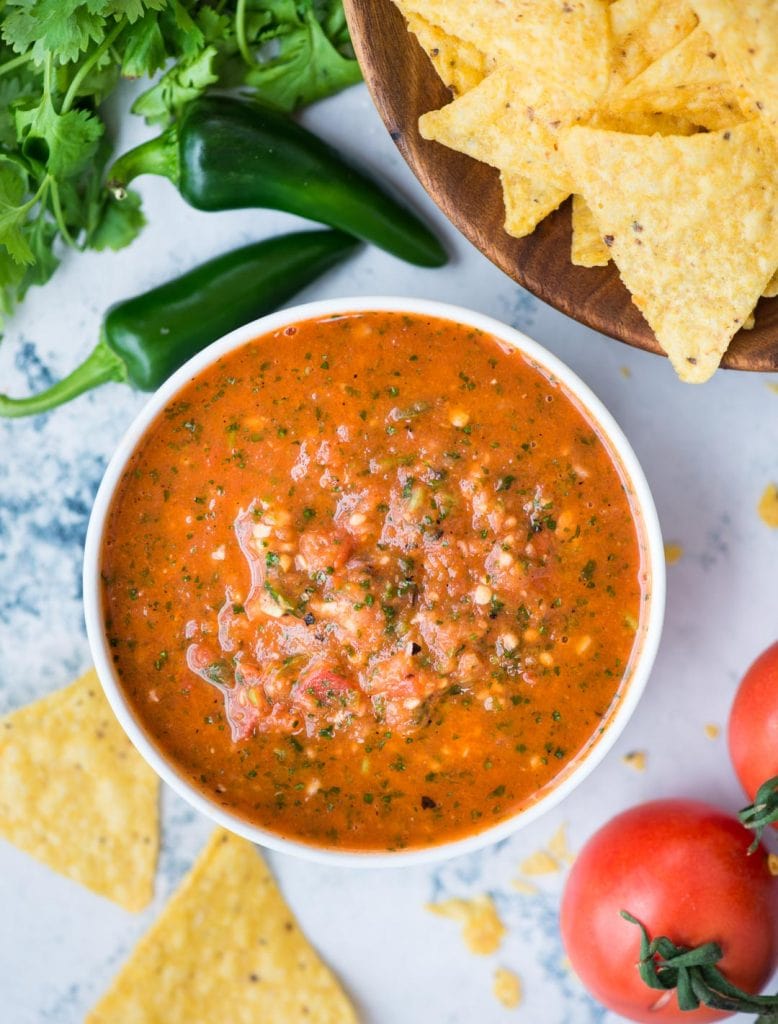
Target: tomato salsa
(373, 581)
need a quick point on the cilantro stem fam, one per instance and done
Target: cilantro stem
(86, 67)
(11, 65)
(240, 33)
(56, 206)
(101, 366)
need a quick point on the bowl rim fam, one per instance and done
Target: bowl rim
(646, 516)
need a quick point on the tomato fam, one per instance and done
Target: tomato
(681, 868)
(753, 723)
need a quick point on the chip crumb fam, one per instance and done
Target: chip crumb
(636, 759)
(712, 731)
(507, 988)
(625, 372)
(673, 553)
(524, 887)
(558, 846)
(772, 863)
(540, 863)
(773, 386)
(768, 506)
(482, 928)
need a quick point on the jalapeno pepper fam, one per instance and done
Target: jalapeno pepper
(144, 339)
(227, 154)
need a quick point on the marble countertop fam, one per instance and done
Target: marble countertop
(708, 453)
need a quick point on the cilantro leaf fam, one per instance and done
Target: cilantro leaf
(60, 59)
(11, 276)
(119, 223)
(65, 143)
(183, 83)
(306, 68)
(144, 47)
(41, 234)
(64, 28)
(13, 212)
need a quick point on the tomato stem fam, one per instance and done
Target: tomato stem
(695, 977)
(762, 812)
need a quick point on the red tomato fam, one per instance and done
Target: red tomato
(681, 868)
(753, 723)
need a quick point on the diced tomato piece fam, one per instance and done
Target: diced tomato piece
(325, 549)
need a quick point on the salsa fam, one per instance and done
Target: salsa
(373, 581)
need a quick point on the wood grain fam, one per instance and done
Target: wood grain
(404, 85)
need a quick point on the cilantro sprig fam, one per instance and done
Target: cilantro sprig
(60, 59)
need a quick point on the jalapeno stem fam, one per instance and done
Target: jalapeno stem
(100, 366)
(157, 156)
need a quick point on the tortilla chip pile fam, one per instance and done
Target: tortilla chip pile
(660, 117)
(75, 794)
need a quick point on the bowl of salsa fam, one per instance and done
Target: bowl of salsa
(374, 581)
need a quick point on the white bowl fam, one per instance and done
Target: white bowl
(651, 541)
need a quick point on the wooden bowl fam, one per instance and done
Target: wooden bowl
(404, 85)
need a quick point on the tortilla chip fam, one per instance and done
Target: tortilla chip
(567, 35)
(642, 31)
(513, 120)
(691, 223)
(746, 31)
(641, 122)
(482, 928)
(527, 203)
(225, 950)
(588, 248)
(689, 81)
(772, 288)
(75, 794)
(459, 65)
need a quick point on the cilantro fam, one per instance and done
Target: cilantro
(61, 59)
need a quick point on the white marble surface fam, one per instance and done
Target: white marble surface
(708, 452)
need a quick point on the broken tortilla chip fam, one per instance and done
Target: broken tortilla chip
(527, 203)
(482, 929)
(746, 31)
(539, 863)
(225, 949)
(692, 225)
(587, 248)
(459, 65)
(507, 988)
(75, 794)
(636, 759)
(768, 506)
